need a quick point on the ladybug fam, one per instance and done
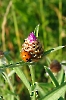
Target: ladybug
(26, 56)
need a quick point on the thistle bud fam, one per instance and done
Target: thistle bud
(55, 66)
(2, 58)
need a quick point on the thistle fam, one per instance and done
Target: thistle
(32, 47)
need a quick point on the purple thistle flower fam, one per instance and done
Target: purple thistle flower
(32, 37)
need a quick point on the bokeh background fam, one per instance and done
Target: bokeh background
(20, 17)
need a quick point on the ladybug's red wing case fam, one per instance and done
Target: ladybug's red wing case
(25, 56)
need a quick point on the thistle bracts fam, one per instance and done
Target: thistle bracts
(33, 46)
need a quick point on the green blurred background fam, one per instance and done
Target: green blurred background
(20, 17)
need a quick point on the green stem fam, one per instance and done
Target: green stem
(32, 71)
(60, 24)
(34, 96)
(43, 21)
(10, 84)
(16, 28)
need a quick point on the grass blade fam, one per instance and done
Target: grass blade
(53, 79)
(53, 50)
(23, 78)
(36, 30)
(56, 93)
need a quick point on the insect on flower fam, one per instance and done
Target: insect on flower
(26, 56)
(32, 49)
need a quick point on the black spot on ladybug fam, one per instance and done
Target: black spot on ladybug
(28, 54)
(29, 60)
